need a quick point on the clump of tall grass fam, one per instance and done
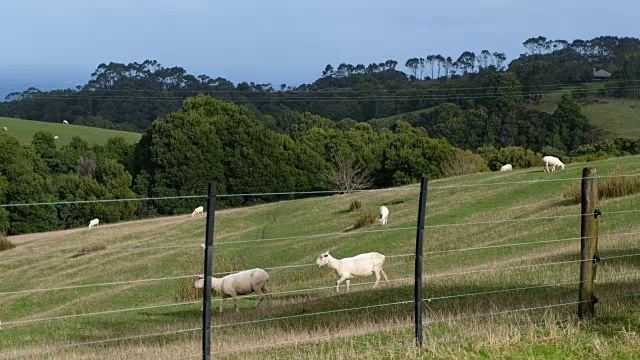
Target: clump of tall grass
(187, 292)
(5, 244)
(613, 187)
(88, 249)
(355, 205)
(367, 218)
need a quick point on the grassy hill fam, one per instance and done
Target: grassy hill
(521, 285)
(25, 129)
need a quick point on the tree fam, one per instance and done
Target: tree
(328, 71)
(413, 64)
(431, 59)
(448, 66)
(440, 60)
(348, 175)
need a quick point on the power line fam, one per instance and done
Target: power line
(98, 284)
(562, 86)
(313, 314)
(100, 313)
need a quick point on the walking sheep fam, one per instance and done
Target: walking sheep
(65, 122)
(93, 223)
(552, 160)
(359, 265)
(507, 167)
(384, 213)
(241, 283)
(198, 210)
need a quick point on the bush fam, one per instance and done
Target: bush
(355, 205)
(5, 244)
(610, 188)
(464, 162)
(368, 218)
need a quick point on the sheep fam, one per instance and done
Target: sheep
(507, 167)
(65, 122)
(198, 210)
(55, 138)
(384, 213)
(93, 223)
(359, 265)
(552, 160)
(5, 129)
(241, 283)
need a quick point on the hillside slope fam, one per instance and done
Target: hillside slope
(25, 129)
(487, 277)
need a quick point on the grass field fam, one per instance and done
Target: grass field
(619, 116)
(25, 129)
(495, 302)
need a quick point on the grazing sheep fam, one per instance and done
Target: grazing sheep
(65, 122)
(93, 223)
(359, 265)
(55, 137)
(384, 213)
(507, 167)
(552, 160)
(198, 210)
(241, 283)
(5, 129)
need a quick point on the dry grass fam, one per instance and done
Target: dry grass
(369, 217)
(5, 244)
(355, 204)
(88, 249)
(610, 188)
(187, 292)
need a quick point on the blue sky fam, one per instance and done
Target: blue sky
(279, 40)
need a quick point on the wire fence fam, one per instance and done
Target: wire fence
(288, 294)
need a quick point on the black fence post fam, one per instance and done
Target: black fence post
(208, 272)
(417, 289)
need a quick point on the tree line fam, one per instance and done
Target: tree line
(211, 140)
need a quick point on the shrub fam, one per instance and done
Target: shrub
(5, 244)
(610, 188)
(88, 249)
(464, 162)
(355, 205)
(368, 218)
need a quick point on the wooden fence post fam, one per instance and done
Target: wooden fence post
(208, 272)
(588, 243)
(417, 288)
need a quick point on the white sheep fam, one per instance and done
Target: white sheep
(198, 210)
(384, 213)
(359, 265)
(241, 283)
(552, 160)
(507, 167)
(5, 129)
(93, 223)
(55, 137)
(65, 122)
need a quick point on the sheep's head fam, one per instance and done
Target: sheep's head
(323, 259)
(199, 282)
(562, 166)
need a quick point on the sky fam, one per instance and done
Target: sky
(278, 41)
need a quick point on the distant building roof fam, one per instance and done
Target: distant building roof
(602, 74)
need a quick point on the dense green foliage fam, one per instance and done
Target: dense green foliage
(461, 115)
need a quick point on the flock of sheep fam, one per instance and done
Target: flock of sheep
(548, 160)
(54, 138)
(255, 280)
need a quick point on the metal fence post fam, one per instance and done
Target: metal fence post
(588, 243)
(208, 272)
(417, 289)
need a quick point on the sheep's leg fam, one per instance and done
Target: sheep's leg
(266, 291)
(342, 278)
(377, 279)
(235, 303)
(259, 296)
(384, 275)
(348, 283)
